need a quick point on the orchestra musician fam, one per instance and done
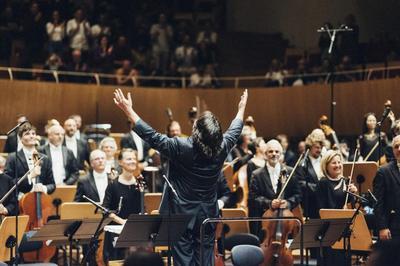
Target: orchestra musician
(241, 151)
(41, 178)
(258, 146)
(369, 139)
(109, 146)
(331, 194)
(386, 188)
(195, 165)
(63, 161)
(122, 195)
(310, 172)
(265, 187)
(94, 184)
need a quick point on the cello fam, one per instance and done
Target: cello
(277, 232)
(39, 206)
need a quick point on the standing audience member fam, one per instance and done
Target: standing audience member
(78, 31)
(161, 36)
(55, 34)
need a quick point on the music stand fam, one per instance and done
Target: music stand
(364, 173)
(360, 239)
(7, 235)
(142, 229)
(62, 232)
(320, 233)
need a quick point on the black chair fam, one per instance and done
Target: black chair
(247, 255)
(241, 239)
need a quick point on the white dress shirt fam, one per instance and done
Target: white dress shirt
(274, 173)
(72, 144)
(57, 161)
(316, 164)
(139, 145)
(101, 181)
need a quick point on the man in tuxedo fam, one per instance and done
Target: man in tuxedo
(266, 185)
(309, 172)
(64, 164)
(13, 140)
(79, 148)
(195, 165)
(131, 140)
(94, 184)
(386, 188)
(9, 206)
(41, 177)
(78, 134)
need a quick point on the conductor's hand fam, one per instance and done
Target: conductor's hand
(243, 101)
(125, 104)
(353, 188)
(242, 105)
(384, 234)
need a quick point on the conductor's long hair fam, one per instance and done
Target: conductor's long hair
(207, 134)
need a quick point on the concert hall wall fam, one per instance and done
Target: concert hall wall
(291, 110)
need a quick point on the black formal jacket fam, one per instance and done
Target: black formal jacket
(127, 142)
(261, 192)
(224, 193)
(193, 176)
(11, 143)
(386, 189)
(10, 203)
(87, 186)
(21, 166)
(308, 181)
(69, 161)
(83, 152)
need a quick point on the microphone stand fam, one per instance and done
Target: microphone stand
(346, 235)
(94, 240)
(171, 190)
(332, 35)
(16, 258)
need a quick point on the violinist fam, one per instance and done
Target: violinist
(241, 150)
(265, 186)
(386, 188)
(258, 147)
(368, 140)
(125, 187)
(41, 178)
(331, 194)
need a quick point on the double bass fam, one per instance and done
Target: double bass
(277, 232)
(39, 206)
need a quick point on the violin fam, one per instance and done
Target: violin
(277, 232)
(39, 206)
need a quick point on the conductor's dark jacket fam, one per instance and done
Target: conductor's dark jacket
(193, 176)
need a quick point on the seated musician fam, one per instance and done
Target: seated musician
(265, 186)
(109, 146)
(125, 186)
(41, 178)
(386, 189)
(79, 147)
(331, 194)
(94, 184)
(64, 164)
(8, 208)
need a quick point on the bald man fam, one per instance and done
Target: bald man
(64, 163)
(79, 148)
(386, 188)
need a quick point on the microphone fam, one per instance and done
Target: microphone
(119, 204)
(372, 196)
(16, 127)
(303, 164)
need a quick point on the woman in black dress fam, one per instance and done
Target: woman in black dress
(125, 186)
(331, 195)
(369, 138)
